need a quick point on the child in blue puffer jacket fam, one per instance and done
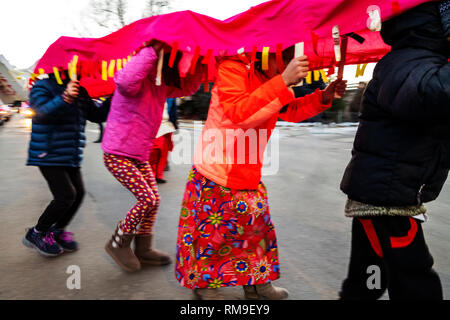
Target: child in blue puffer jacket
(56, 148)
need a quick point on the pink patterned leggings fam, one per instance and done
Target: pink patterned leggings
(137, 177)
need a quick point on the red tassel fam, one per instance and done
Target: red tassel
(253, 59)
(88, 69)
(279, 57)
(396, 9)
(252, 63)
(211, 70)
(207, 57)
(173, 54)
(84, 72)
(206, 72)
(194, 60)
(205, 80)
(98, 69)
(315, 41)
(331, 71)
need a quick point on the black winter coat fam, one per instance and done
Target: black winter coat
(401, 153)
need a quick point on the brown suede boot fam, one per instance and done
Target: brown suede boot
(265, 291)
(118, 247)
(208, 294)
(146, 254)
(250, 293)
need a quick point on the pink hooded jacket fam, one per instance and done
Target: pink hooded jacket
(137, 106)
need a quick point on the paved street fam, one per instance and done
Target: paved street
(306, 207)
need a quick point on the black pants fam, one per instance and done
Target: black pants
(100, 135)
(67, 187)
(396, 248)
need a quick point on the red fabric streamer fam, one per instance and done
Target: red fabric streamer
(253, 59)
(284, 22)
(207, 57)
(315, 41)
(173, 54)
(279, 57)
(396, 9)
(195, 59)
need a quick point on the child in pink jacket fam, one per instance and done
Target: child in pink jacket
(133, 121)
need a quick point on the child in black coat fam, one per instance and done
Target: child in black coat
(400, 159)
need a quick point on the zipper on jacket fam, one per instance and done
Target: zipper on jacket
(419, 195)
(432, 169)
(78, 136)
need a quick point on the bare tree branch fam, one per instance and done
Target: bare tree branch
(155, 7)
(111, 15)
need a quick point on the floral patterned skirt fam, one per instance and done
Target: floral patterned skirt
(225, 236)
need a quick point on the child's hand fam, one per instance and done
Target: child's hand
(72, 91)
(73, 88)
(335, 90)
(296, 70)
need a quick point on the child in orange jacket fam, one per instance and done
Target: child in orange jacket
(226, 236)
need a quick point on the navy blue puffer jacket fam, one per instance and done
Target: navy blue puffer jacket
(401, 153)
(58, 129)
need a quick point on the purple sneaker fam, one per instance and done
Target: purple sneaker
(64, 239)
(43, 242)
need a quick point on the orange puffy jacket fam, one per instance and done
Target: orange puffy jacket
(242, 114)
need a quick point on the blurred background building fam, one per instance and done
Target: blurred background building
(13, 83)
(346, 109)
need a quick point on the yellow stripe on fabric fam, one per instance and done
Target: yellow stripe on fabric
(73, 68)
(104, 71)
(112, 65)
(360, 70)
(57, 77)
(308, 77)
(265, 58)
(69, 69)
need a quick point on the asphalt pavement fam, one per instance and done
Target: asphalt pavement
(305, 201)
